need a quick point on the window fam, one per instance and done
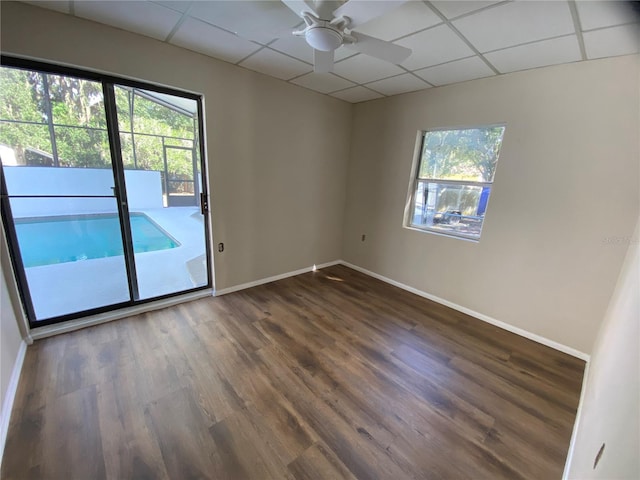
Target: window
(453, 179)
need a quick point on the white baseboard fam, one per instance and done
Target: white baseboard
(480, 316)
(12, 388)
(576, 424)
(262, 281)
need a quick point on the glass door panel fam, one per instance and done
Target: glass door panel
(100, 192)
(73, 262)
(58, 194)
(181, 187)
(159, 135)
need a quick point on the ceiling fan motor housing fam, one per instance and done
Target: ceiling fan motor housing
(323, 38)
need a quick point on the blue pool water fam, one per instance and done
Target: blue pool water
(50, 240)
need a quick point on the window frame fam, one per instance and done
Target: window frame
(415, 181)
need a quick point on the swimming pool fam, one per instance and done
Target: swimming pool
(52, 240)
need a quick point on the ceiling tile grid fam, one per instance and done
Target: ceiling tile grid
(612, 41)
(145, 18)
(323, 82)
(356, 94)
(456, 71)
(363, 69)
(434, 46)
(276, 64)
(209, 40)
(451, 41)
(537, 54)
(404, 83)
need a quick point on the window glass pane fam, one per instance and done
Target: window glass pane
(21, 96)
(470, 154)
(456, 209)
(123, 105)
(178, 142)
(154, 118)
(149, 153)
(181, 188)
(179, 164)
(76, 102)
(25, 144)
(83, 148)
(126, 148)
(72, 261)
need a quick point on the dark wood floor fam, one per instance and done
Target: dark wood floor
(326, 375)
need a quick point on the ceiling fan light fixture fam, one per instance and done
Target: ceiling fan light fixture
(323, 38)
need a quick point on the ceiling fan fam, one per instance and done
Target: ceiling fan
(328, 28)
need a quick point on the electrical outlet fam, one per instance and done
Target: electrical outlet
(221, 247)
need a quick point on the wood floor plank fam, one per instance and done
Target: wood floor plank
(318, 463)
(330, 374)
(187, 448)
(71, 422)
(130, 449)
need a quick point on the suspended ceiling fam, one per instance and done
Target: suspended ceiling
(452, 41)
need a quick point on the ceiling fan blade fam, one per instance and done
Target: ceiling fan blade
(299, 6)
(360, 11)
(374, 47)
(325, 8)
(322, 61)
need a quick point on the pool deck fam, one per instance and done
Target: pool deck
(76, 286)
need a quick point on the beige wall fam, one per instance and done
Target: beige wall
(612, 391)
(565, 188)
(277, 153)
(566, 185)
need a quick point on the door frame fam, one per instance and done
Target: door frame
(108, 83)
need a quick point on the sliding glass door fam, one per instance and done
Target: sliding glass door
(89, 188)
(161, 135)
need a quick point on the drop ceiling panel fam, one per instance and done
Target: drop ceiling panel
(409, 18)
(363, 68)
(612, 41)
(145, 18)
(356, 94)
(437, 45)
(256, 20)
(298, 47)
(444, 36)
(454, 72)
(598, 14)
(276, 64)
(539, 54)
(209, 40)
(322, 82)
(515, 23)
(452, 9)
(400, 84)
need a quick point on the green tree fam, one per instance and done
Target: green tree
(77, 110)
(469, 154)
(20, 100)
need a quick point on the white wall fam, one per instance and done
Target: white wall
(610, 409)
(144, 190)
(9, 340)
(566, 185)
(277, 179)
(11, 347)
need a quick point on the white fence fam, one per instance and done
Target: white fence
(144, 190)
